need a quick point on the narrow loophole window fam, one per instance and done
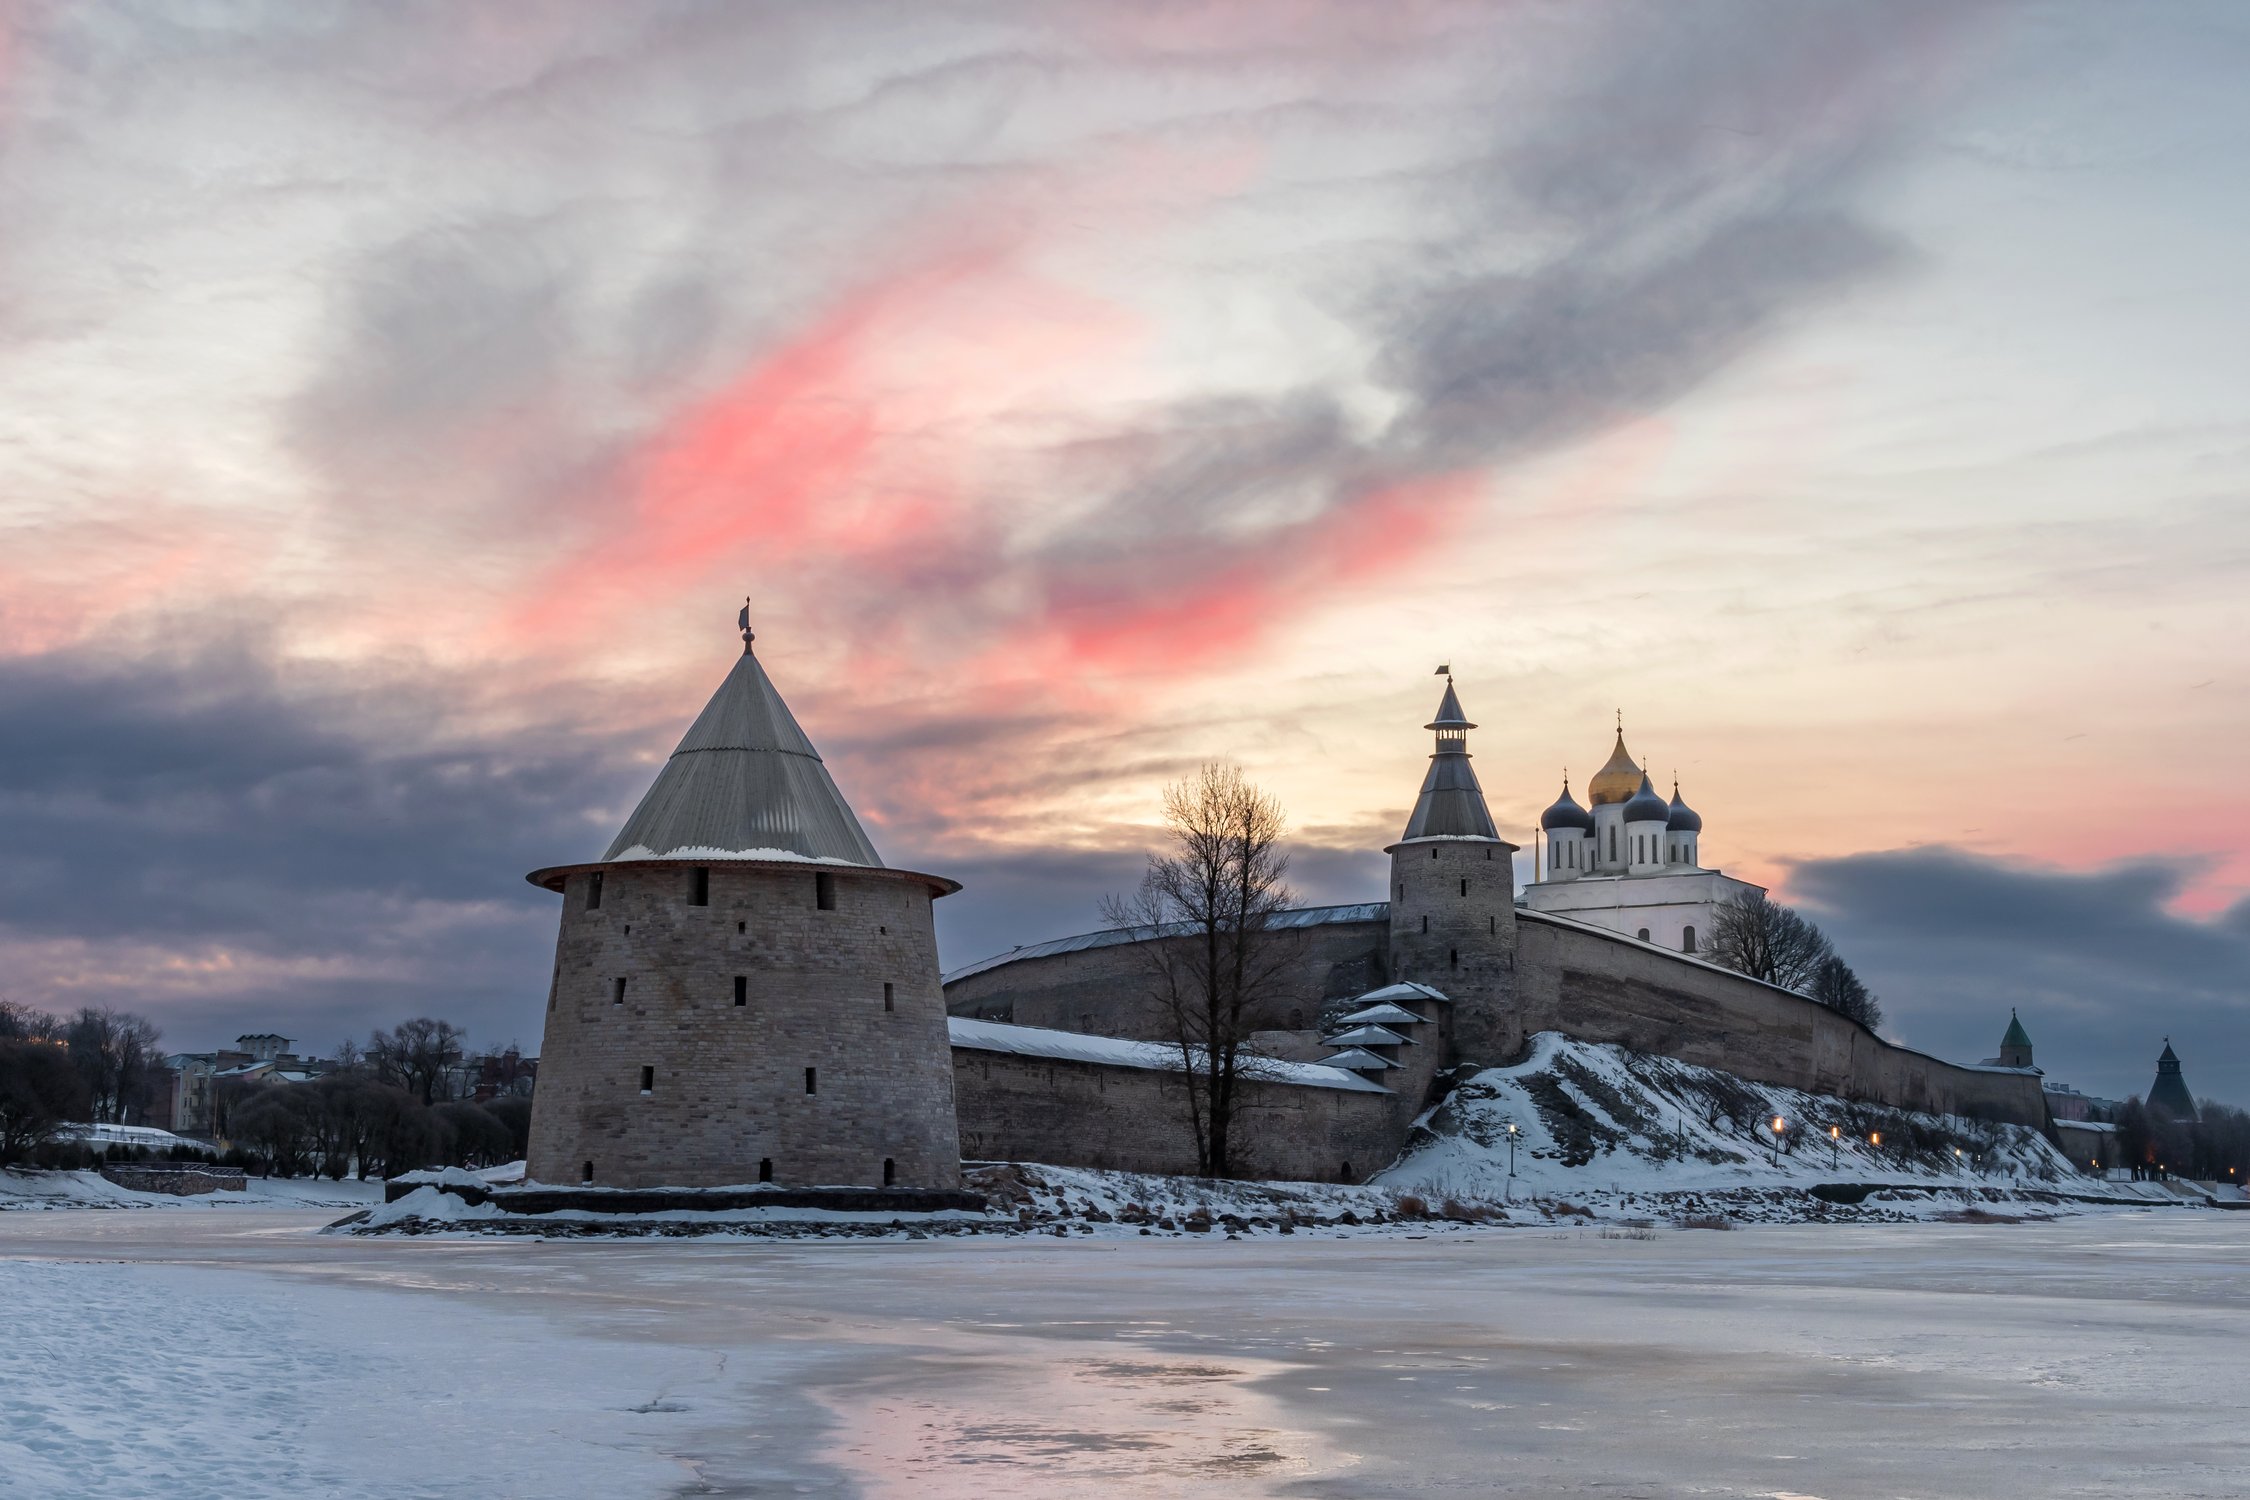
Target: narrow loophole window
(890, 1172)
(648, 1081)
(586, 1172)
(1453, 958)
(1464, 887)
(1425, 924)
(594, 891)
(617, 992)
(742, 927)
(765, 1169)
(699, 886)
(887, 997)
(812, 1080)
(741, 989)
(824, 891)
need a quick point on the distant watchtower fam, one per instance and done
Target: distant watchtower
(2169, 1095)
(2015, 1045)
(742, 991)
(1453, 899)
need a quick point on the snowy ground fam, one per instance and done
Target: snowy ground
(240, 1355)
(48, 1190)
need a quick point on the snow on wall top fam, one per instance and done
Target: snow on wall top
(1117, 1052)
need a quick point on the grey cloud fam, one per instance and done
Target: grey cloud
(2100, 966)
(200, 801)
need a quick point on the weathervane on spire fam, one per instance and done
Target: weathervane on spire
(743, 620)
(1445, 670)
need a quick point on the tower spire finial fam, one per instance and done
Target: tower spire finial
(743, 620)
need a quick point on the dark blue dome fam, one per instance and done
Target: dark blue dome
(1683, 818)
(1645, 806)
(1566, 813)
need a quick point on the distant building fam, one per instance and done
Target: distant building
(1629, 861)
(184, 1106)
(2169, 1096)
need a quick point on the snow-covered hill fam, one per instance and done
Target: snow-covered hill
(1597, 1119)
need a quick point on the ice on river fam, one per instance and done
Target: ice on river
(239, 1355)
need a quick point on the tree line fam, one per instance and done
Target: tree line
(380, 1108)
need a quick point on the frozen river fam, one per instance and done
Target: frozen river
(234, 1354)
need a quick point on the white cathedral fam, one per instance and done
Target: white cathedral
(1629, 862)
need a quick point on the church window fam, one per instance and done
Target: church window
(699, 886)
(824, 891)
(648, 1082)
(1613, 844)
(1687, 940)
(887, 996)
(594, 891)
(741, 990)
(1644, 934)
(812, 1080)
(765, 1169)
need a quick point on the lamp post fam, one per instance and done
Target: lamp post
(1778, 1126)
(1511, 1193)
(1835, 1136)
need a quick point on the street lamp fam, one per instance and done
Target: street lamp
(1511, 1194)
(1835, 1135)
(1778, 1126)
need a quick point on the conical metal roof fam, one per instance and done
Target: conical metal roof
(1449, 715)
(2015, 1036)
(2169, 1094)
(745, 783)
(1452, 803)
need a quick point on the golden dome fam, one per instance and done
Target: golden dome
(1617, 781)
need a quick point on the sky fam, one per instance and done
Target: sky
(398, 401)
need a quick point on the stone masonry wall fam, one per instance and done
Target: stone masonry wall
(1074, 1114)
(1602, 987)
(729, 1083)
(1104, 991)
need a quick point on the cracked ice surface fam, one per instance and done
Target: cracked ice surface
(236, 1355)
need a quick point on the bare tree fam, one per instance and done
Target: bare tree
(1767, 940)
(1837, 987)
(417, 1055)
(39, 1092)
(120, 1055)
(1209, 905)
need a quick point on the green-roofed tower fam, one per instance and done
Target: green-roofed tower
(2015, 1045)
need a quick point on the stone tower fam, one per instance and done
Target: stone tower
(2015, 1045)
(1453, 900)
(742, 991)
(2169, 1096)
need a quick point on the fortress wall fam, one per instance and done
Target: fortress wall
(1080, 1114)
(1600, 987)
(1105, 990)
(729, 1085)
